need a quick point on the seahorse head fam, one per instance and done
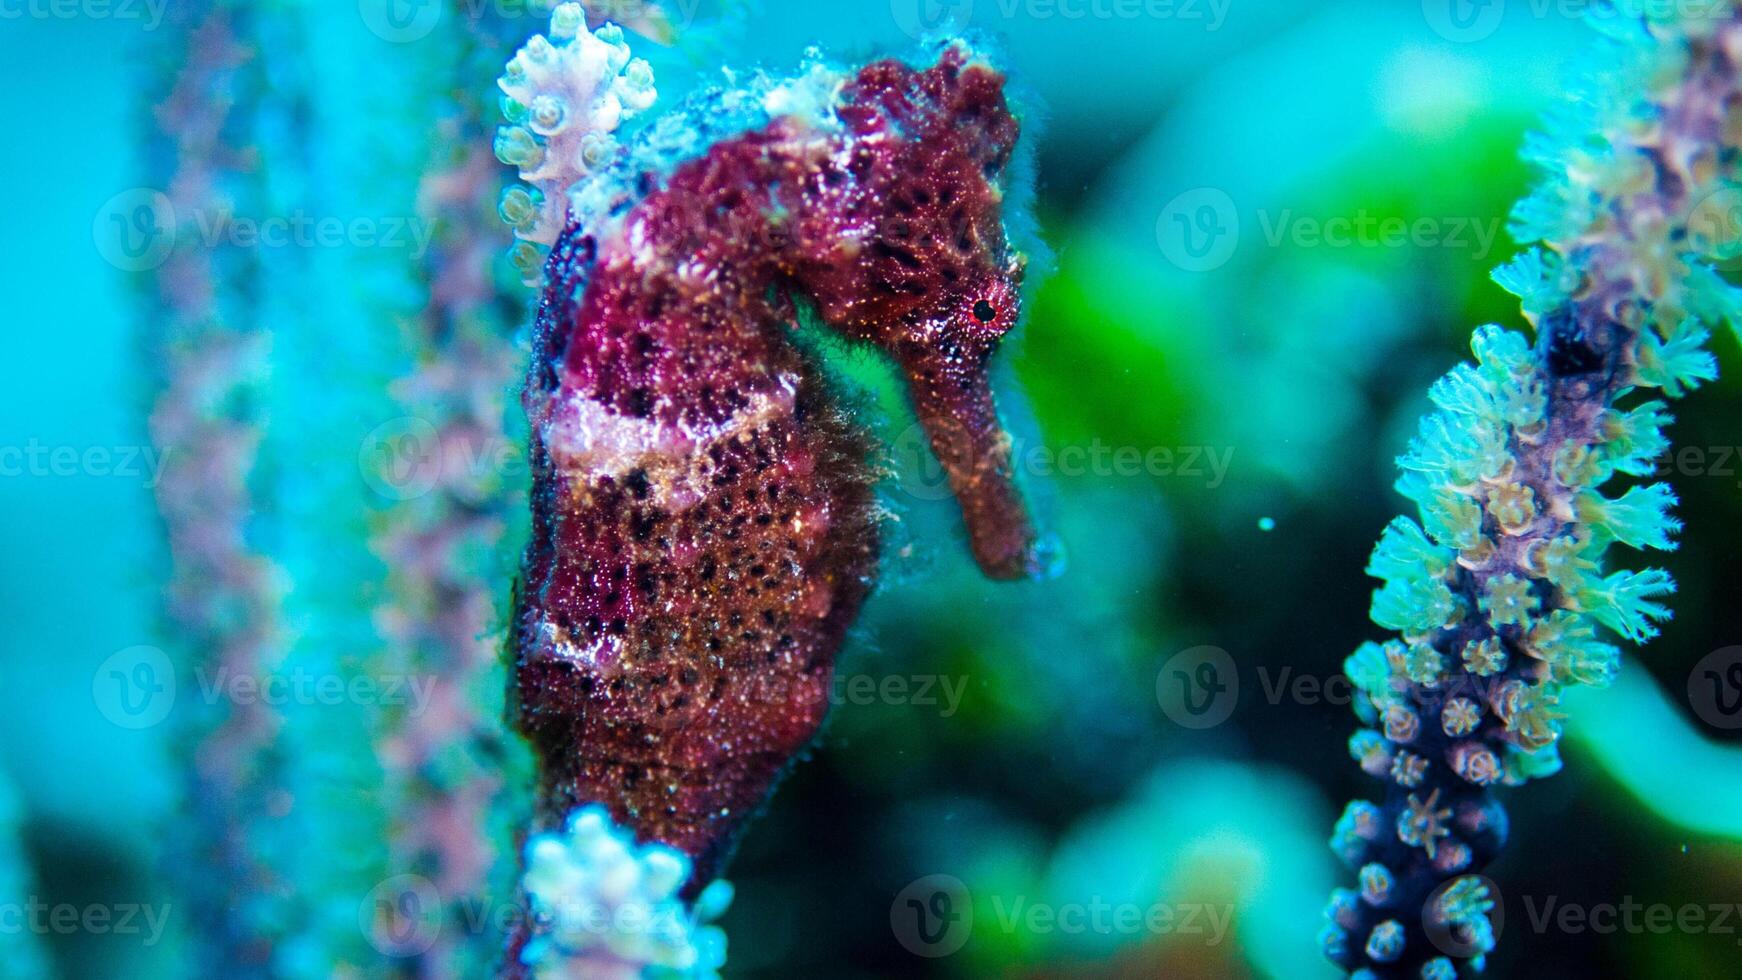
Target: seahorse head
(903, 244)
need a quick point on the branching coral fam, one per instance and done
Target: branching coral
(222, 593)
(1499, 591)
(450, 770)
(566, 95)
(605, 907)
(703, 516)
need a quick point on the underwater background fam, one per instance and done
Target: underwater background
(1269, 227)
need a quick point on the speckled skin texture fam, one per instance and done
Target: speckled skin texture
(704, 518)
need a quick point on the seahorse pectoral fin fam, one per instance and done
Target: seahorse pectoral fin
(955, 406)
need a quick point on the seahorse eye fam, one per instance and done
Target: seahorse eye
(985, 312)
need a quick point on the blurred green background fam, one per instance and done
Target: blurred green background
(1233, 343)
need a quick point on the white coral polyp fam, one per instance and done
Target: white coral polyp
(604, 907)
(566, 95)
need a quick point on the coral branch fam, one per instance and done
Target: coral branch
(1499, 591)
(222, 595)
(451, 769)
(605, 907)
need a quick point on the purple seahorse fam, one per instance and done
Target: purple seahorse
(704, 516)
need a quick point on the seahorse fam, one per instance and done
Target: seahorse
(704, 514)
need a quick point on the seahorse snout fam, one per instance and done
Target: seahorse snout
(952, 393)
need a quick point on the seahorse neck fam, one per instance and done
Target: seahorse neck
(686, 304)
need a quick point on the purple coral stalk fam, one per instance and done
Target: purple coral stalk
(222, 594)
(452, 770)
(449, 769)
(1498, 588)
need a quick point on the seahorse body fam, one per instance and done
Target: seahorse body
(704, 518)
